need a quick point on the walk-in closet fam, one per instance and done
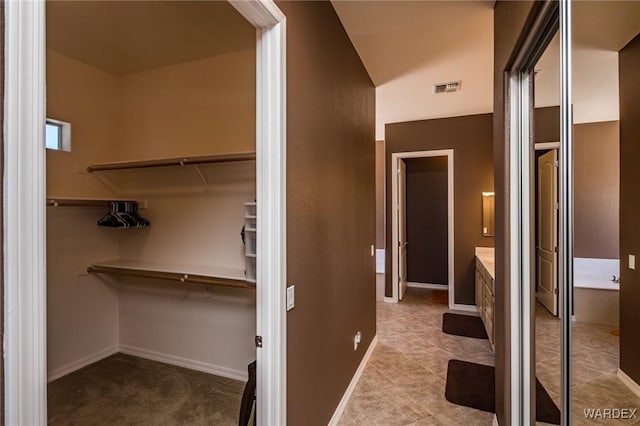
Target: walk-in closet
(151, 211)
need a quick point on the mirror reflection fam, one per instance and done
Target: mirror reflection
(606, 331)
(488, 207)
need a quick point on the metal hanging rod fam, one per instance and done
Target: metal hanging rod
(165, 162)
(88, 202)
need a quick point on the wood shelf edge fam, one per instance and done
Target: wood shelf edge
(176, 161)
(170, 276)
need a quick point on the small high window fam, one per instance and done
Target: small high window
(57, 135)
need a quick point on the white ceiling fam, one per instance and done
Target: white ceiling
(124, 37)
(600, 30)
(408, 46)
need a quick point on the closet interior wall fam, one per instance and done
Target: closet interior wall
(200, 107)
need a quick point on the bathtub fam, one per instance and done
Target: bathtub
(596, 295)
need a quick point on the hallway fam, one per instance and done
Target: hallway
(404, 381)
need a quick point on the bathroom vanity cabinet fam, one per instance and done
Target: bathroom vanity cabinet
(485, 288)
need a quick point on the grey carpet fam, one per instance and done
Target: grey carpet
(126, 390)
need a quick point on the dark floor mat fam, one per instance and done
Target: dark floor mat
(473, 385)
(463, 325)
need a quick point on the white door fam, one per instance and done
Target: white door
(547, 250)
(402, 229)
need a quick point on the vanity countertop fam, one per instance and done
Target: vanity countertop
(487, 256)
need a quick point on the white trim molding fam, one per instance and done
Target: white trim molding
(179, 361)
(629, 382)
(464, 308)
(352, 385)
(396, 157)
(540, 146)
(428, 286)
(271, 142)
(25, 338)
(495, 420)
(82, 362)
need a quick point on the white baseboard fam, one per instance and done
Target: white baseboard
(185, 362)
(495, 420)
(629, 382)
(428, 286)
(390, 300)
(464, 308)
(148, 354)
(82, 362)
(352, 385)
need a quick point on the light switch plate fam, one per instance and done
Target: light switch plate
(632, 261)
(291, 297)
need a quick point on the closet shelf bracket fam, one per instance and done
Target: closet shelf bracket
(204, 179)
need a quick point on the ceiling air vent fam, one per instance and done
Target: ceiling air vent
(452, 86)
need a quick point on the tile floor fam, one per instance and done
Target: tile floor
(404, 381)
(595, 367)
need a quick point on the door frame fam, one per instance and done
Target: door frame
(547, 146)
(549, 17)
(24, 245)
(396, 157)
(401, 224)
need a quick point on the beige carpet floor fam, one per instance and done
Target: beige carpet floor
(126, 390)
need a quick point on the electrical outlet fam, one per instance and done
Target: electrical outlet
(291, 297)
(356, 340)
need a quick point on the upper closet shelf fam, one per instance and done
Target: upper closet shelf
(168, 162)
(227, 277)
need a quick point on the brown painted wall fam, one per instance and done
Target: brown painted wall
(427, 219)
(380, 240)
(510, 18)
(629, 208)
(596, 174)
(596, 181)
(330, 209)
(470, 138)
(546, 123)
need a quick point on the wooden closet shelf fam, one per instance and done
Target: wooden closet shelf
(87, 202)
(167, 162)
(186, 274)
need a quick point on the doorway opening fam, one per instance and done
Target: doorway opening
(25, 191)
(422, 222)
(546, 225)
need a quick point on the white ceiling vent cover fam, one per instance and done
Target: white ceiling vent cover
(452, 86)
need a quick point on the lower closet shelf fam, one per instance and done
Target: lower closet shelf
(227, 277)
